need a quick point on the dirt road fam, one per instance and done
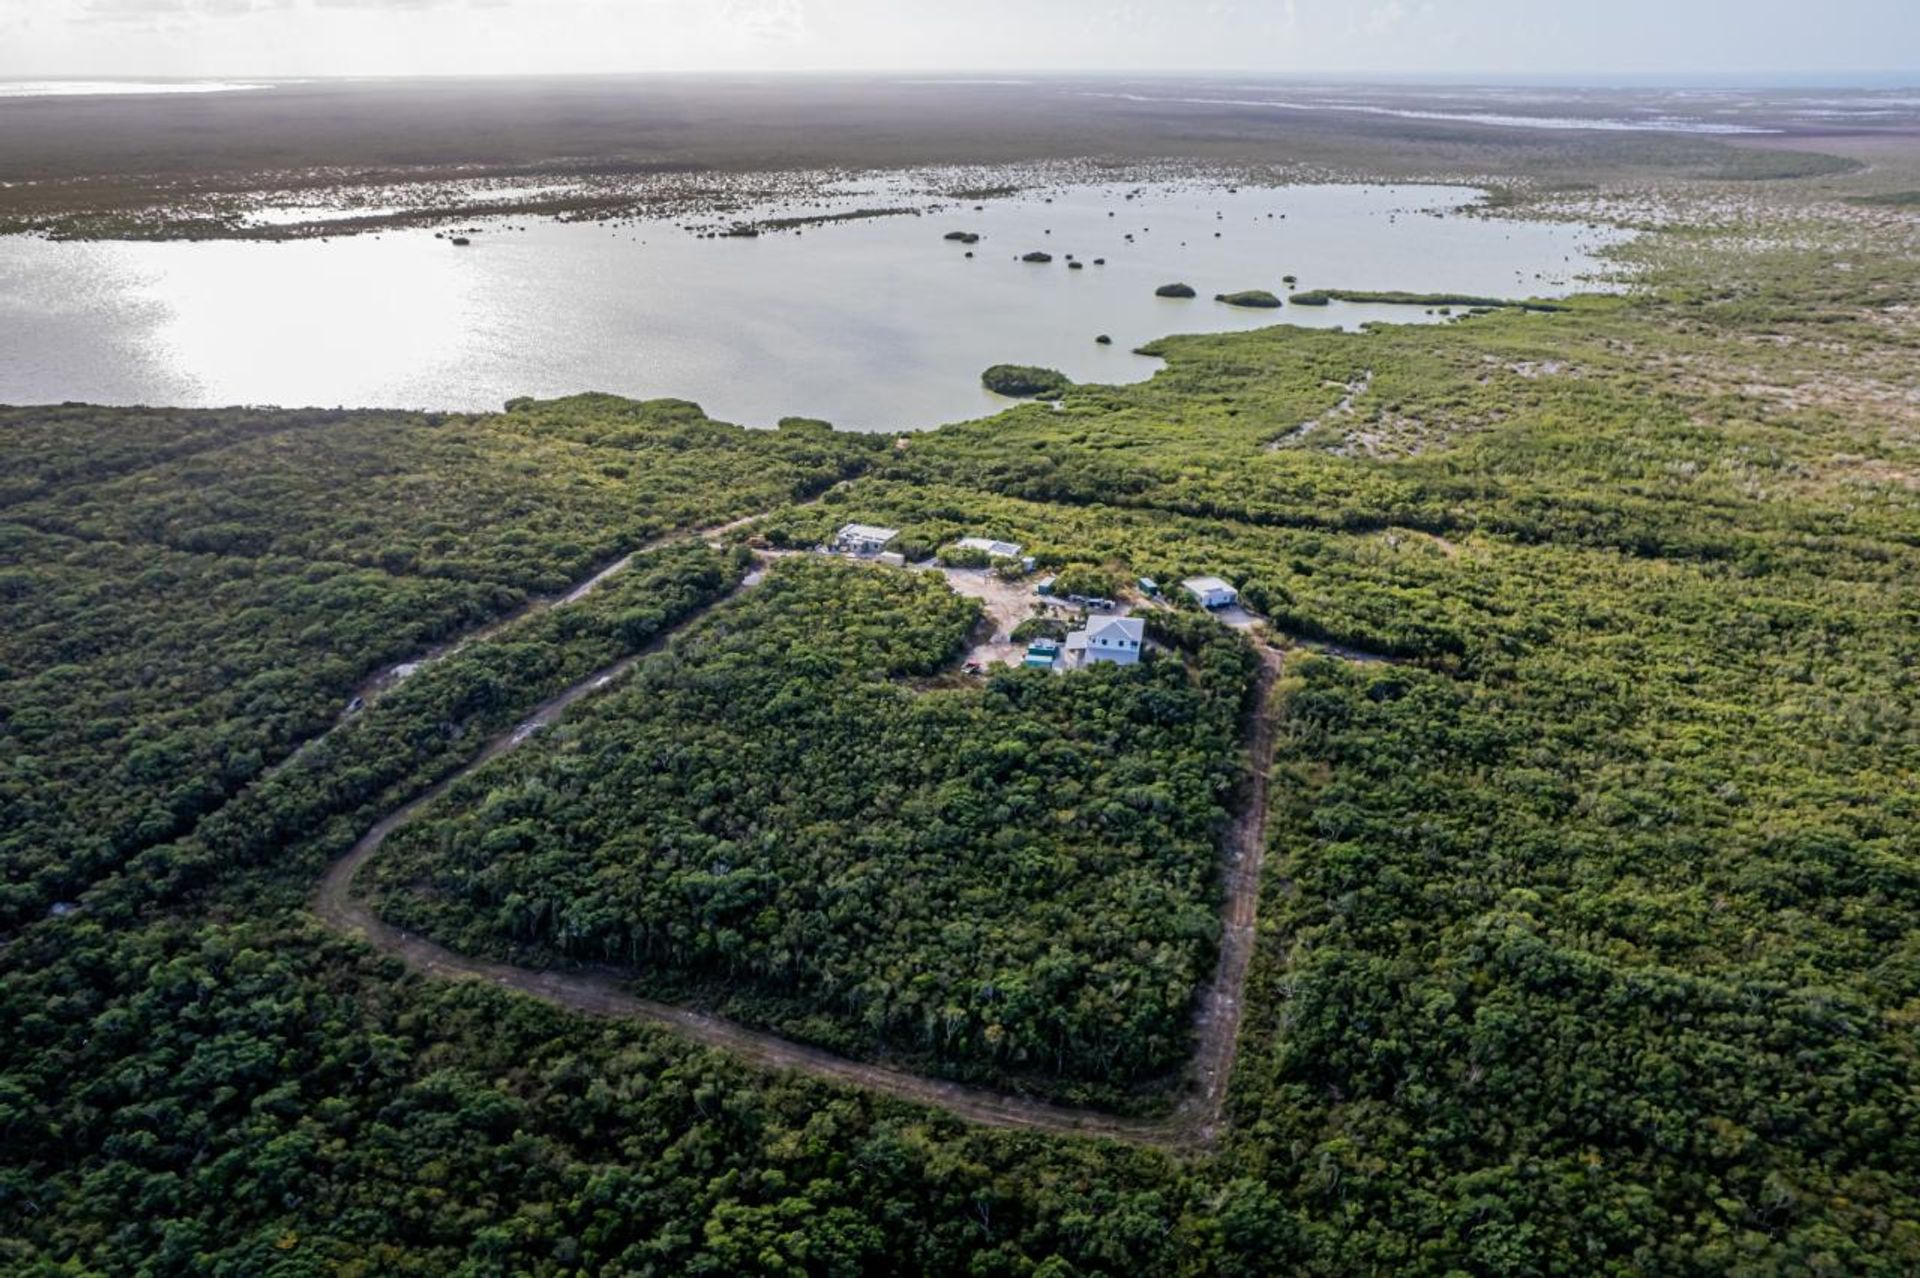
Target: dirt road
(1192, 1127)
(379, 682)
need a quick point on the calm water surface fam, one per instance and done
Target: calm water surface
(874, 324)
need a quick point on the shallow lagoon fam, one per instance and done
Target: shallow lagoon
(875, 324)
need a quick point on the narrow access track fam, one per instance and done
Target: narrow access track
(382, 681)
(1192, 1127)
(1354, 390)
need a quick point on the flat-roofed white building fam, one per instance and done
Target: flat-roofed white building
(864, 539)
(1212, 592)
(1116, 639)
(987, 545)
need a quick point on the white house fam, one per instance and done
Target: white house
(864, 539)
(1211, 591)
(994, 549)
(1115, 639)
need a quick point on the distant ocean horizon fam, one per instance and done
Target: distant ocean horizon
(1861, 81)
(63, 87)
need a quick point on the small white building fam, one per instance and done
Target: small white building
(864, 539)
(990, 547)
(1116, 639)
(1211, 591)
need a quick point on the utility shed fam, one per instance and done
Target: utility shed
(864, 539)
(997, 549)
(1116, 639)
(1211, 591)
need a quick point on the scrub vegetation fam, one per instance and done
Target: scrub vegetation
(1010, 879)
(205, 590)
(1588, 942)
(1322, 296)
(1024, 381)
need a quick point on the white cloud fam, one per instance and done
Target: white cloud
(388, 6)
(1386, 18)
(140, 10)
(767, 21)
(225, 38)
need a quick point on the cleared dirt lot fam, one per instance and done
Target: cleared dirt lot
(1005, 603)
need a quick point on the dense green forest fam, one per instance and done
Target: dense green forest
(1588, 942)
(1015, 878)
(179, 618)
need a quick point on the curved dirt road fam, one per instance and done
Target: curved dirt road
(1192, 1126)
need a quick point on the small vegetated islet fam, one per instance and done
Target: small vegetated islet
(1255, 298)
(1024, 381)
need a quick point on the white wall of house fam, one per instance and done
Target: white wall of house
(864, 539)
(1111, 639)
(1211, 592)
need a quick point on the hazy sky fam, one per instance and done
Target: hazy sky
(1439, 37)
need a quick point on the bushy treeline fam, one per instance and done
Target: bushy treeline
(1575, 969)
(1018, 879)
(190, 594)
(1596, 956)
(433, 722)
(1588, 943)
(530, 499)
(226, 1100)
(1538, 428)
(196, 1079)
(145, 687)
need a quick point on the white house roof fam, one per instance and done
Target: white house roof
(868, 532)
(998, 549)
(1204, 585)
(1115, 629)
